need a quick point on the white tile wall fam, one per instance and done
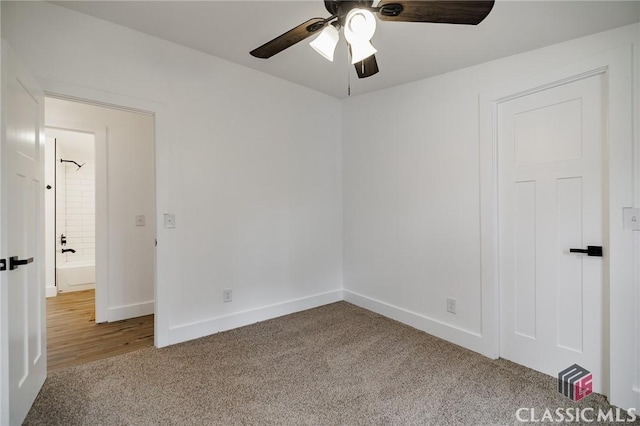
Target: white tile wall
(80, 210)
(61, 202)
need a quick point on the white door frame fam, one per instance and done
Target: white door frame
(164, 272)
(620, 342)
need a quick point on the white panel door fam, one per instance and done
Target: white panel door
(550, 148)
(23, 301)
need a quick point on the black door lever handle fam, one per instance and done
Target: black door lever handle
(14, 262)
(589, 251)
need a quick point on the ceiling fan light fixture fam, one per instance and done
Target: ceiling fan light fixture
(360, 25)
(326, 42)
(361, 51)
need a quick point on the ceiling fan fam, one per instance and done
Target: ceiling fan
(358, 21)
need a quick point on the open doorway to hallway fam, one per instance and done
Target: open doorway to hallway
(100, 231)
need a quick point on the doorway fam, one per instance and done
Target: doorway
(619, 259)
(70, 155)
(100, 258)
(550, 150)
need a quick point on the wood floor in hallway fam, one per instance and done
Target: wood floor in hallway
(74, 338)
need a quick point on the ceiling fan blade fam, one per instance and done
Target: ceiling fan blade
(289, 38)
(367, 67)
(469, 12)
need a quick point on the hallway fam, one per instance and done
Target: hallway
(74, 338)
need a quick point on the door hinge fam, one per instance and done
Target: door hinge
(3, 264)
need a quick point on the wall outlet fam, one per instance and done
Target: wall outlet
(451, 305)
(227, 295)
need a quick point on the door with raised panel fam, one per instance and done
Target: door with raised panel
(22, 304)
(550, 150)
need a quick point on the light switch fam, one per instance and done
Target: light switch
(169, 220)
(631, 218)
(140, 220)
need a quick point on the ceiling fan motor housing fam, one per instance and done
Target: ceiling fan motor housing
(341, 8)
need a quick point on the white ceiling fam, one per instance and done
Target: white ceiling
(406, 51)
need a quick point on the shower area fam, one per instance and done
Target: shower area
(75, 248)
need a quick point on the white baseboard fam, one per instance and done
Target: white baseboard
(185, 332)
(453, 334)
(51, 291)
(464, 338)
(118, 313)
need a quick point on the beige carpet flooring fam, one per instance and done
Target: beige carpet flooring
(333, 365)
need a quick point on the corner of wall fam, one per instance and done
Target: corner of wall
(182, 333)
(453, 334)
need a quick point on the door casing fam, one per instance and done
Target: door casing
(619, 279)
(164, 272)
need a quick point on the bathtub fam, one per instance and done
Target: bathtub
(76, 276)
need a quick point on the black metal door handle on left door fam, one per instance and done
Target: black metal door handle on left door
(589, 251)
(14, 262)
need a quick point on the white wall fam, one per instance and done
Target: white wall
(250, 165)
(412, 211)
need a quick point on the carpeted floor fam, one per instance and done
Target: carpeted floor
(337, 364)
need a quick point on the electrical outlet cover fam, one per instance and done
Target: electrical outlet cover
(451, 305)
